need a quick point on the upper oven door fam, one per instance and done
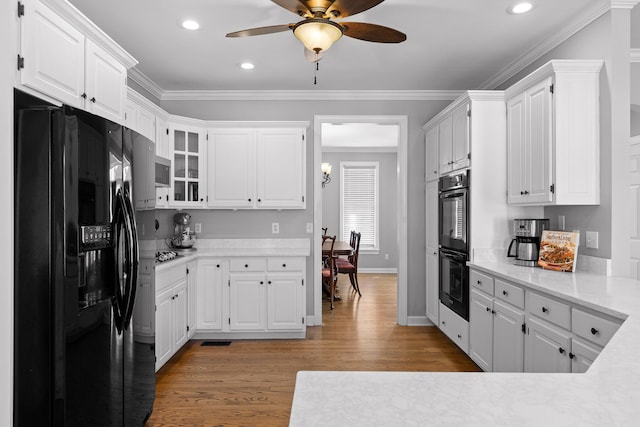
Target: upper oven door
(453, 219)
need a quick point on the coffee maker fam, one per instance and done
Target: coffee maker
(527, 240)
(183, 237)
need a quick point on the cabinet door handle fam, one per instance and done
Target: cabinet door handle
(479, 282)
(526, 192)
(444, 323)
(217, 265)
(488, 309)
(545, 310)
(261, 282)
(561, 350)
(459, 336)
(83, 96)
(572, 356)
(284, 265)
(246, 266)
(93, 99)
(505, 293)
(249, 199)
(594, 331)
(259, 200)
(269, 282)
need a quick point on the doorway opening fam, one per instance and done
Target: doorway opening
(400, 122)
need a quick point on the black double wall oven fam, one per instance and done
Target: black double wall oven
(453, 228)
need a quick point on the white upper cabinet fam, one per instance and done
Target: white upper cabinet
(231, 164)
(454, 139)
(105, 83)
(61, 62)
(431, 160)
(188, 166)
(281, 168)
(261, 168)
(53, 52)
(553, 138)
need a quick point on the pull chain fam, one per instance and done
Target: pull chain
(315, 74)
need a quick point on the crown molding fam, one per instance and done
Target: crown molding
(634, 55)
(145, 82)
(623, 4)
(571, 28)
(77, 19)
(311, 95)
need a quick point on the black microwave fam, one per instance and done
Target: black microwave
(163, 172)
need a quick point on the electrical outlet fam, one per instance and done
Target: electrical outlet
(198, 227)
(309, 227)
(561, 224)
(592, 239)
(275, 228)
(386, 256)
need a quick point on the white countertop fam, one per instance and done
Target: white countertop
(287, 247)
(608, 394)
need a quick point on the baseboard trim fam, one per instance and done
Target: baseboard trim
(418, 321)
(378, 270)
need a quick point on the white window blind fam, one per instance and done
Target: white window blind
(359, 202)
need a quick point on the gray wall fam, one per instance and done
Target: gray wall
(387, 205)
(593, 42)
(292, 223)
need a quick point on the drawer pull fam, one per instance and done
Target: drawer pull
(246, 266)
(261, 282)
(284, 265)
(545, 310)
(217, 265)
(505, 293)
(479, 282)
(444, 323)
(594, 331)
(269, 282)
(561, 350)
(488, 309)
(572, 356)
(459, 336)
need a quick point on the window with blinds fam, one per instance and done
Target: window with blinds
(359, 202)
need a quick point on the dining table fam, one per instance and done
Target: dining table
(340, 247)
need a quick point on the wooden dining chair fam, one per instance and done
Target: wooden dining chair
(329, 271)
(350, 265)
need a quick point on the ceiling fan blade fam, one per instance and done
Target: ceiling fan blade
(295, 6)
(372, 32)
(261, 30)
(343, 8)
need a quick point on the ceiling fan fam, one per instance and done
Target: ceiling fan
(319, 29)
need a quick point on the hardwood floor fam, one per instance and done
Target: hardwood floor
(251, 382)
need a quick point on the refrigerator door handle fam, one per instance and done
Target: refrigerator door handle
(120, 232)
(132, 276)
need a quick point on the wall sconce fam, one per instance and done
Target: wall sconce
(326, 171)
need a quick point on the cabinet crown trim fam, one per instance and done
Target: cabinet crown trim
(471, 95)
(558, 66)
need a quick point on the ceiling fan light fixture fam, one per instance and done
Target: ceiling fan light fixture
(317, 34)
(521, 7)
(190, 24)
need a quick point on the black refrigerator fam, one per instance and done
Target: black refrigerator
(77, 361)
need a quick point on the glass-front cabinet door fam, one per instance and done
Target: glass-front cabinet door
(188, 172)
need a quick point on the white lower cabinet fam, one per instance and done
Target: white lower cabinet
(512, 329)
(249, 297)
(246, 301)
(496, 339)
(455, 327)
(547, 347)
(209, 304)
(171, 312)
(192, 297)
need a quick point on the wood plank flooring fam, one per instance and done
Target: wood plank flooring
(251, 382)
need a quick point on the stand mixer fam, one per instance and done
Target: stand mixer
(183, 237)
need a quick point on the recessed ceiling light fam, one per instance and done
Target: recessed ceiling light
(519, 8)
(190, 25)
(247, 66)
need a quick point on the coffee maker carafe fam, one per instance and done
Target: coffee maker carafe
(183, 237)
(527, 240)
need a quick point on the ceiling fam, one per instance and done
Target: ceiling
(451, 44)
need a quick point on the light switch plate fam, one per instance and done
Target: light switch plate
(309, 227)
(198, 227)
(275, 228)
(592, 239)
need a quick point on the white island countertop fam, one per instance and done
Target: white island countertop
(608, 394)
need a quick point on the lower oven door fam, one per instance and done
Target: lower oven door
(454, 282)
